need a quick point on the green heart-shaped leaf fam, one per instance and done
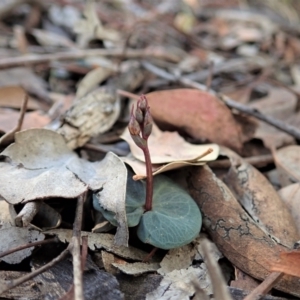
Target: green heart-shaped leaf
(174, 221)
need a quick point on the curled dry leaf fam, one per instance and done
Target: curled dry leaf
(90, 116)
(97, 241)
(287, 161)
(291, 195)
(200, 114)
(176, 259)
(236, 235)
(166, 147)
(180, 284)
(261, 201)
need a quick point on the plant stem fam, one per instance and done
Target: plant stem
(149, 183)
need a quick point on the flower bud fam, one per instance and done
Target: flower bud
(133, 126)
(139, 141)
(142, 103)
(148, 123)
(139, 116)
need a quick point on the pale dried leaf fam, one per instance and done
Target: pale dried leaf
(137, 268)
(287, 161)
(15, 236)
(280, 104)
(179, 284)
(91, 80)
(291, 195)
(166, 147)
(97, 241)
(48, 38)
(90, 27)
(176, 259)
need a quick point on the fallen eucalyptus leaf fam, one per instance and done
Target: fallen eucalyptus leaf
(167, 147)
(236, 235)
(200, 114)
(287, 163)
(261, 201)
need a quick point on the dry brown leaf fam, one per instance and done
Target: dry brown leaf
(25, 78)
(287, 161)
(261, 201)
(9, 119)
(243, 281)
(289, 263)
(12, 97)
(233, 231)
(291, 195)
(198, 113)
(280, 104)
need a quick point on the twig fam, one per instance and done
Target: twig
(72, 248)
(265, 286)
(210, 75)
(9, 137)
(293, 131)
(256, 161)
(28, 245)
(7, 285)
(155, 52)
(77, 269)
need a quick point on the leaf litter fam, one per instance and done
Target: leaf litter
(166, 52)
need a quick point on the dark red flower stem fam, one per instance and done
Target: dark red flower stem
(149, 181)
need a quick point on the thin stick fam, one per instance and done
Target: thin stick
(210, 75)
(30, 59)
(77, 268)
(256, 161)
(7, 285)
(29, 245)
(265, 286)
(293, 131)
(9, 137)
